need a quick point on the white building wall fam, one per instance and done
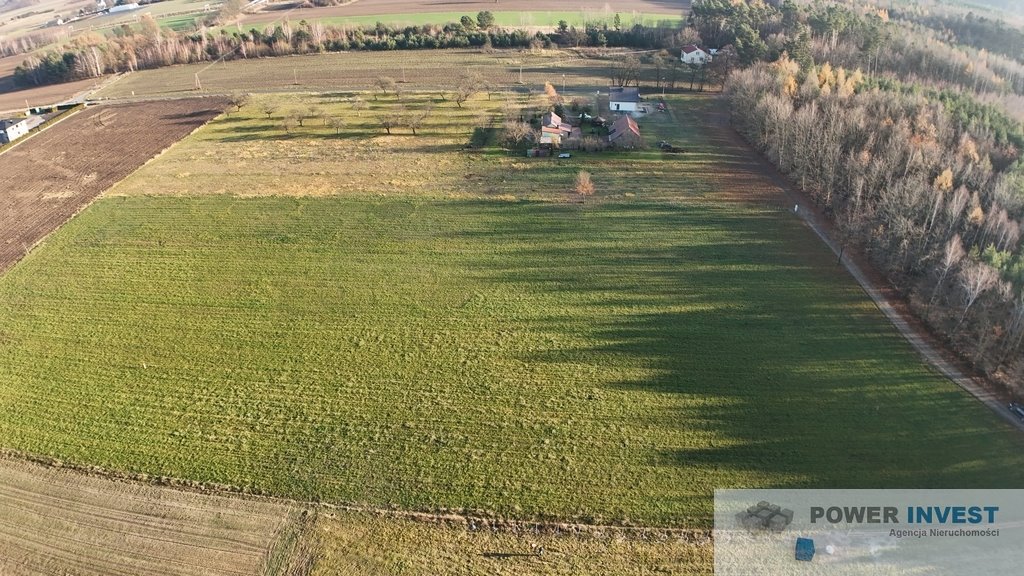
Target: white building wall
(696, 57)
(14, 132)
(622, 106)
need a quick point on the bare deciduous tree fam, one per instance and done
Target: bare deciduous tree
(239, 99)
(626, 71)
(976, 279)
(269, 108)
(385, 83)
(951, 258)
(389, 120)
(336, 122)
(516, 132)
(290, 122)
(584, 185)
(358, 104)
(314, 112)
(416, 118)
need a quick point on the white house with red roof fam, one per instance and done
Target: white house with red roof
(692, 54)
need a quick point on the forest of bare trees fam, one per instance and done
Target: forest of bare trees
(934, 203)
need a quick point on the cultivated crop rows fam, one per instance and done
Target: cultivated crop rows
(51, 176)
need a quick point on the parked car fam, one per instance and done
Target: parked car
(670, 148)
(565, 155)
(1017, 410)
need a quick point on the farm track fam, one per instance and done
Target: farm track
(57, 521)
(66, 167)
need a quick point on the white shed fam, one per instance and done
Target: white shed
(11, 129)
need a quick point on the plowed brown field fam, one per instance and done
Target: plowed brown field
(51, 176)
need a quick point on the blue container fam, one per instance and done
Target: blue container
(804, 549)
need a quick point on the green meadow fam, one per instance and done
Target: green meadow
(613, 361)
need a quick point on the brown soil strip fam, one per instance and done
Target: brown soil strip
(59, 171)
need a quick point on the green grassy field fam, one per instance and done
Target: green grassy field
(389, 320)
(616, 361)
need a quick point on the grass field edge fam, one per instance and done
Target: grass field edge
(479, 518)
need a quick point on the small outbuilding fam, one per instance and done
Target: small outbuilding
(13, 128)
(623, 98)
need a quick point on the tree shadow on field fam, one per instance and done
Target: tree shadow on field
(775, 365)
(190, 117)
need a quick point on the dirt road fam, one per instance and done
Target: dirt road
(874, 287)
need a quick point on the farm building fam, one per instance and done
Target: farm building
(124, 7)
(625, 133)
(553, 129)
(623, 98)
(12, 129)
(692, 54)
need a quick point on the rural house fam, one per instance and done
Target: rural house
(12, 129)
(693, 55)
(625, 133)
(553, 129)
(623, 98)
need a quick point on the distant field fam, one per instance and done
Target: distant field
(546, 19)
(421, 69)
(34, 17)
(410, 10)
(13, 97)
(169, 9)
(62, 522)
(613, 361)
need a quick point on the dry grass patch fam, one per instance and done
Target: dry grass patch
(62, 522)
